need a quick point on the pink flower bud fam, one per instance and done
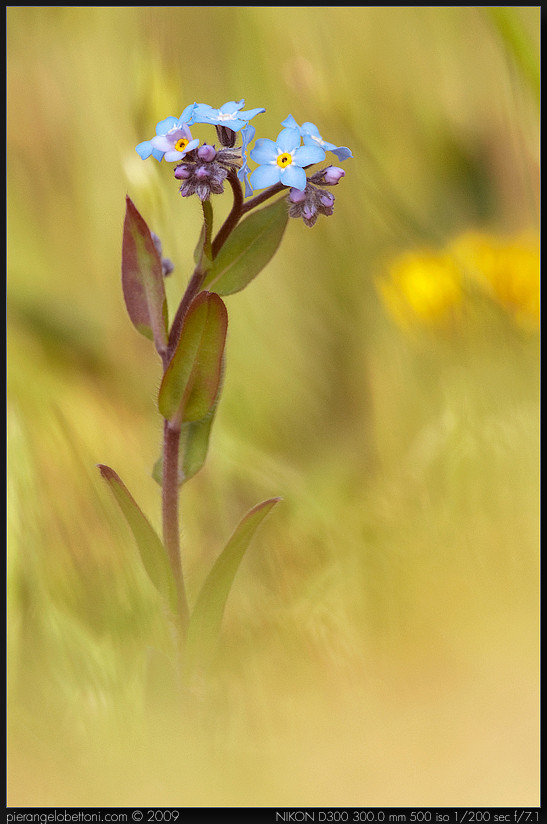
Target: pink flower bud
(207, 152)
(297, 196)
(327, 199)
(332, 175)
(182, 172)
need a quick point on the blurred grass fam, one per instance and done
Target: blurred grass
(381, 642)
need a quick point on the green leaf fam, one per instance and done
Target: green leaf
(190, 384)
(152, 552)
(206, 618)
(142, 279)
(248, 249)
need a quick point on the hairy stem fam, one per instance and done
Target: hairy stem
(191, 291)
(233, 218)
(171, 532)
(194, 284)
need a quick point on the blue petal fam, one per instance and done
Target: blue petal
(144, 149)
(250, 113)
(265, 151)
(288, 140)
(164, 125)
(232, 106)
(247, 135)
(290, 123)
(203, 113)
(295, 177)
(243, 175)
(186, 116)
(342, 152)
(310, 128)
(172, 156)
(306, 155)
(317, 140)
(265, 176)
(162, 143)
(234, 125)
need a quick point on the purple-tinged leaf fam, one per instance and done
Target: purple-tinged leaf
(191, 381)
(142, 279)
(152, 552)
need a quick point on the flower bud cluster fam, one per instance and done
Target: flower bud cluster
(313, 201)
(204, 171)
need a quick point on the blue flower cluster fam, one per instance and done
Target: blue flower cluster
(283, 160)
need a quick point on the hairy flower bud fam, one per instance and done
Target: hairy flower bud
(205, 169)
(332, 175)
(182, 172)
(310, 203)
(297, 196)
(206, 152)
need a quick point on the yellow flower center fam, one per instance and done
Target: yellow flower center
(181, 144)
(284, 160)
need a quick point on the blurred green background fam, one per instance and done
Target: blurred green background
(381, 640)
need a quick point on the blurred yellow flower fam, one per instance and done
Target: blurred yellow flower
(506, 269)
(431, 289)
(423, 288)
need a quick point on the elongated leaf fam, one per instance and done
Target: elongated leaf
(191, 381)
(142, 279)
(248, 249)
(152, 552)
(206, 618)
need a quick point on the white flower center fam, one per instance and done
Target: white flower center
(226, 116)
(318, 140)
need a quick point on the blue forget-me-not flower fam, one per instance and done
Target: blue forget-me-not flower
(311, 136)
(229, 115)
(172, 140)
(283, 160)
